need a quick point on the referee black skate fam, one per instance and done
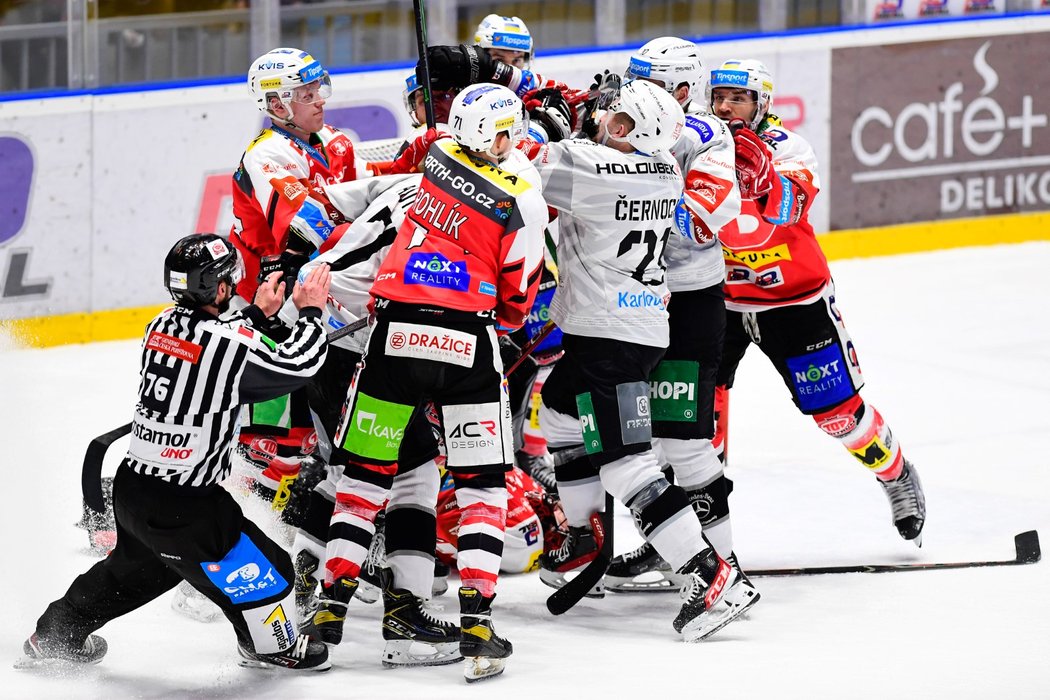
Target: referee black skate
(174, 522)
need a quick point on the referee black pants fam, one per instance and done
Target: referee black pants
(167, 533)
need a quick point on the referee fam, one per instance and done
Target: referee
(174, 521)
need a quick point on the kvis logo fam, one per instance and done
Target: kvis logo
(16, 182)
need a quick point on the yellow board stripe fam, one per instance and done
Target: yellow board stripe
(121, 324)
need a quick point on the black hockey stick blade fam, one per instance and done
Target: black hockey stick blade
(577, 588)
(1026, 546)
(91, 472)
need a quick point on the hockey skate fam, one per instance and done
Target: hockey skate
(414, 637)
(327, 622)
(39, 652)
(715, 594)
(191, 603)
(370, 586)
(540, 468)
(642, 570)
(907, 503)
(305, 584)
(484, 652)
(578, 549)
(304, 655)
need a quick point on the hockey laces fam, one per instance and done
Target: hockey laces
(903, 499)
(299, 649)
(376, 557)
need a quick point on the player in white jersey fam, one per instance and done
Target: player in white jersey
(682, 387)
(617, 200)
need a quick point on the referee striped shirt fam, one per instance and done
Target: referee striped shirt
(197, 372)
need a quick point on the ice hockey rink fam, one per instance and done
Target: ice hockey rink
(955, 347)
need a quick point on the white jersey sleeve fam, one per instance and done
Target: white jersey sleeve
(706, 154)
(377, 207)
(616, 213)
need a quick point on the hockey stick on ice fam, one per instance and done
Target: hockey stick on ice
(91, 472)
(424, 60)
(1026, 546)
(576, 588)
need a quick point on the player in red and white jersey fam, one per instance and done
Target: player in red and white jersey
(780, 295)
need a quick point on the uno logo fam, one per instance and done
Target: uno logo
(176, 453)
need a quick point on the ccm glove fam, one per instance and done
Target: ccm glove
(754, 165)
(460, 66)
(287, 263)
(548, 108)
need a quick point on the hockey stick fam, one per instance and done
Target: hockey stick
(531, 346)
(424, 60)
(347, 329)
(575, 589)
(91, 472)
(1026, 546)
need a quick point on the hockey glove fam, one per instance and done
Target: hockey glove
(603, 92)
(410, 159)
(754, 165)
(548, 108)
(287, 263)
(460, 66)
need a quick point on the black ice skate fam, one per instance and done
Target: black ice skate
(578, 549)
(327, 622)
(306, 566)
(484, 651)
(907, 502)
(715, 594)
(304, 655)
(642, 570)
(40, 652)
(540, 468)
(413, 636)
(370, 586)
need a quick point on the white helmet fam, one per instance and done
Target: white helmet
(509, 33)
(669, 60)
(480, 112)
(658, 118)
(748, 74)
(411, 85)
(283, 73)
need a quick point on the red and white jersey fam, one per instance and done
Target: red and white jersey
(275, 174)
(706, 154)
(472, 239)
(772, 257)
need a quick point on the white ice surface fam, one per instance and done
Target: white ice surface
(956, 351)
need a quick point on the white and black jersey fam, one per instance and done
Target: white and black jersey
(706, 154)
(196, 373)
(616, 213)
(376, 207)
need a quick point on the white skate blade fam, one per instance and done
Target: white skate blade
(263, 666)
(408, 652)
(557, 579)
(53, 667)
(738, 599)
(479, 668)
(195, 606)
(649, 582)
